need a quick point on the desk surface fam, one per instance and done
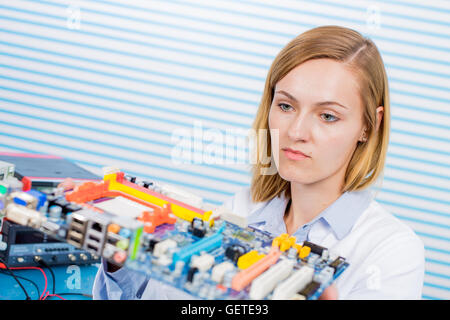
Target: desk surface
(68, 279)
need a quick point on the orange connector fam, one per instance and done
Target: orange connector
(243, 278)
(87, 191)
(158, 217)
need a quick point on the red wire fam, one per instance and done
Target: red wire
(2, 266)
(54, 295)
(47, 293)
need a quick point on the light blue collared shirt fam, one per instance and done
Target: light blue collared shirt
(338, 218)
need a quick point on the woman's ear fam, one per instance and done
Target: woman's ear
(363, 137)
(380, 113)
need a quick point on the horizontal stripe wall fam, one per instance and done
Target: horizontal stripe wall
(122, 82)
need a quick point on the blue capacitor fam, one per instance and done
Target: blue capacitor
(55, 212)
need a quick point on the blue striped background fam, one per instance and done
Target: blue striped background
(110, 88)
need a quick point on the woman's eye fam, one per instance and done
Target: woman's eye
(329, 117)
(284, 107)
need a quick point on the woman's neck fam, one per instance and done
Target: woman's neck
(308, 201)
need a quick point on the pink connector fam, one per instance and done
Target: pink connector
(243, 278)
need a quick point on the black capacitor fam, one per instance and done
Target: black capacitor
(146, 184)
(151, 244)
(337, 263)
(51, 200)
(314, 247)
(197, 228)
(199, 232)
(63, 203)
(197, 222)
(130, 178)
(233, 252)
(310, 289)
(190, 274)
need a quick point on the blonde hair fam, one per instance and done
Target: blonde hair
(362, 56)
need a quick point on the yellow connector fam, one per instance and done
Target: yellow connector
(298, 247)
(285, 245)
(206, 217)
(276, 242)
(248, 259)
(286, 242)
(179, 210)
(292, 240)
(283, 236)
(304, 252)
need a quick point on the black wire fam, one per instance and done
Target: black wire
(37, 287)
(32, 282)
(42, 262)
(14, 276)
(51, 271)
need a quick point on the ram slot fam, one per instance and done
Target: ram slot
(266, 282)
(296, 282)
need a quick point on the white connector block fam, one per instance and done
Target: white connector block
(163, 260)
(219, 271)
(30, 201)
(6, 170)
(162, 247)
(179, 194)
(24, 216)
(203, 262)
(325, 276)
(267, 281)
(223, 213)
(296, 282)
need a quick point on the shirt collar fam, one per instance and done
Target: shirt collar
(340, 216)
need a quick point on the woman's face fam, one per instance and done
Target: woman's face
(317, 111)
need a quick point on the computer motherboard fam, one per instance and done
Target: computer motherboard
(172, 237)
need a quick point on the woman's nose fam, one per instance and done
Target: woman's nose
(299, 128)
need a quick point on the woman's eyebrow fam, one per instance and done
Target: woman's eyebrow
(323, 103)
(290, 96)
(326, 103)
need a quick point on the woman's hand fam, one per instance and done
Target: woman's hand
(330, 293)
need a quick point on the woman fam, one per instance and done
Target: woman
(326, 107)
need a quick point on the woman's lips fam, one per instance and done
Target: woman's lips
(294, 155)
